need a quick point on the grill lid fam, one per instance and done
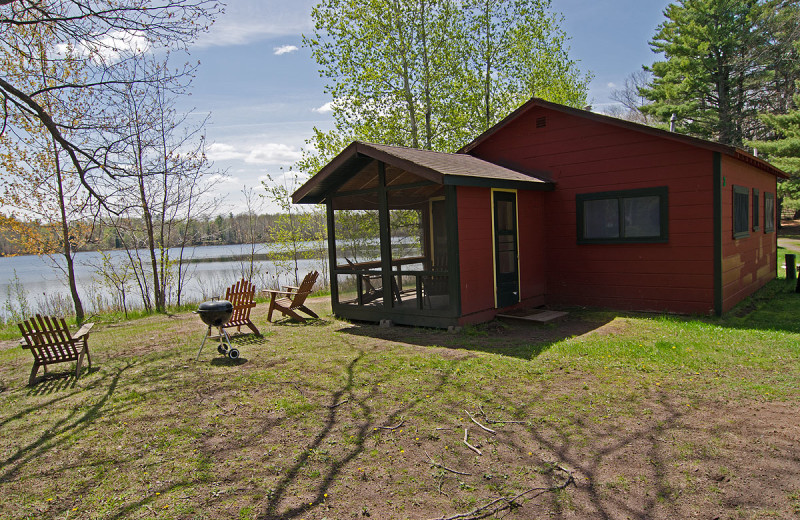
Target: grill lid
(215, 313)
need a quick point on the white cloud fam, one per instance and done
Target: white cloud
(223, 152)
(611, 84)
(111, 47)
(324, 109)
(261, 153)
(285, 49)
(273, 153)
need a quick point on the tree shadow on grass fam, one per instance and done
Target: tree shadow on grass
(76, 421)
(508, 338)
(367, 424)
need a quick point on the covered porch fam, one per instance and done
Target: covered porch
(393, 233)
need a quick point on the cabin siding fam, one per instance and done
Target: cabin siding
(476, 243)
(475, 249)
(586, 156)
(749, 262)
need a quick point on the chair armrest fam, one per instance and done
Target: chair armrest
(83, 331)
(273, 292)
(292, 287)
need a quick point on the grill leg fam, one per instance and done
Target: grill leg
(203, 343)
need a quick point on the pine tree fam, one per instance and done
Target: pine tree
(712, 67)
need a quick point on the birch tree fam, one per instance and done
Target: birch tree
(434, 74)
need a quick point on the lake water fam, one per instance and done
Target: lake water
(44, 284)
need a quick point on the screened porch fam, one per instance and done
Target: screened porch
(389, 250)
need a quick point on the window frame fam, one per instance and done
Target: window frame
(742, 232)
(769, 220)
(755, 201)
(662, 192)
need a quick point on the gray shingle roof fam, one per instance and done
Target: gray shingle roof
(438, 167)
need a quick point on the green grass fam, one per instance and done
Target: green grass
(340, 420)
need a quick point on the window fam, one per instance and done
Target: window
(755, 210)
(741, 212)
(769, 212)
(622, 216)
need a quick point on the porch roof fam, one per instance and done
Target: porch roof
(438, 167)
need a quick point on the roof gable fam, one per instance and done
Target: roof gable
(526, 109)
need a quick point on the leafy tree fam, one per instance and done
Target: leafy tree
(297, 233)
(99, 37)
(433, 73)
(167, 174)
(38, 184)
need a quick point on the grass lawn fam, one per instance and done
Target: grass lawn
(606, 415)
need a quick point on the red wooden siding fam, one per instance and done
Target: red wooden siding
(586, 156)
(750, 262)
(475, 249)
(475, 241)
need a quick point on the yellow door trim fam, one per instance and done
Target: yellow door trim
(494, 242)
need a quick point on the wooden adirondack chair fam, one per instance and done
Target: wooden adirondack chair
(50, 342)
(292, 299)
(241, 295)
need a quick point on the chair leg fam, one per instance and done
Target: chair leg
(252, 326)
(88, 356)
(78, 365)
(32, 379)
(271, 308)
(292, 314)
(308, 311)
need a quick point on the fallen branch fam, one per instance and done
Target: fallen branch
(479, 424)
(503, 503)
(442, 466)
(340, 403)
(393, 427)
(470, 446)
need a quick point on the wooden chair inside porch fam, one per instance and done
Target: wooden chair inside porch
(50, 342)
(242, 297)
(292, 299)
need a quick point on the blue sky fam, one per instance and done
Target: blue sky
(264, 95)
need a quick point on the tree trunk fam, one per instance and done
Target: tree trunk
(65, 237)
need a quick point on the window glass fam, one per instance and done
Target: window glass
(601, 218)
(769, 212)
(639, 215)
(642, 216)
(755, 210)
(741, 212)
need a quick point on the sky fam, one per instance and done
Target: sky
(262, 92)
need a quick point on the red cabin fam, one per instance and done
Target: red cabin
(553, 205)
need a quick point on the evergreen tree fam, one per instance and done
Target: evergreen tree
(713, 66)
(784, 152)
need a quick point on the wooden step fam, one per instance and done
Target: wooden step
(534, 315)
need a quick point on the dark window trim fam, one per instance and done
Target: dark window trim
(769, 220)
(756, 201)
(740, 190)
(662, 192)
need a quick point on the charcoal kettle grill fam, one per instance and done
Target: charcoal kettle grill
(216, 314)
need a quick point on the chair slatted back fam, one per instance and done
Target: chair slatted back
(304, 290)
(49, 340)
(241, 295)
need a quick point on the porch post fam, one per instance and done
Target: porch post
(385, 236)
(331, 224)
